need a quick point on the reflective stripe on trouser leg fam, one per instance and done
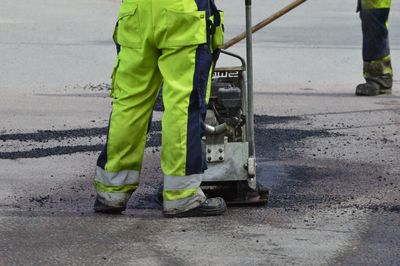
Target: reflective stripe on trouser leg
(135, 85)
(115, 189)
(182, 193)
(185, 69)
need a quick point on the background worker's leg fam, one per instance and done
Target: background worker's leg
(377, 68)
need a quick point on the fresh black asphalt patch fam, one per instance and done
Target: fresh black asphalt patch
(271, 138)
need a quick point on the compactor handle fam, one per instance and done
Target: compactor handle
(263, 23)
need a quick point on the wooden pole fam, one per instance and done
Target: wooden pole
(263, 23)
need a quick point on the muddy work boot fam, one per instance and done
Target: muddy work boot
(210, 207)
(103, 208)
(379, 78)
(375, 86)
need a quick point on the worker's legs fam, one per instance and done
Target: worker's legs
(378, 73)
(179, 30)
(135, 84)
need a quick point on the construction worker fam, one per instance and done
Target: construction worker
(169, 42)
(378, 72)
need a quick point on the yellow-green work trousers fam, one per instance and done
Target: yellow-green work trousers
(168, 43)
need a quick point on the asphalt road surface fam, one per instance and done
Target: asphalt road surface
(330, 158)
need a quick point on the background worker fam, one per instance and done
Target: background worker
(378, 72)
(169, 42)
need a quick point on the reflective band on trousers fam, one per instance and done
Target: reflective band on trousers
(184, 204)
(178, 194)
(182, 182)
(113, 199)
(125, 177)
(113, 189)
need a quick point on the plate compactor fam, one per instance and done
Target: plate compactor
(229, 132)
(228, 140)
(229, 124)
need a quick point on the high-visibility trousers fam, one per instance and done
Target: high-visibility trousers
(168, 43)
(374, 16)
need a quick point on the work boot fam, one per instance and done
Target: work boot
(103, 208)
(379, 78)
(210, 207)
(375, 86)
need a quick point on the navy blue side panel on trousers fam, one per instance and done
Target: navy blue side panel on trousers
(195, 157)
(375, 33)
